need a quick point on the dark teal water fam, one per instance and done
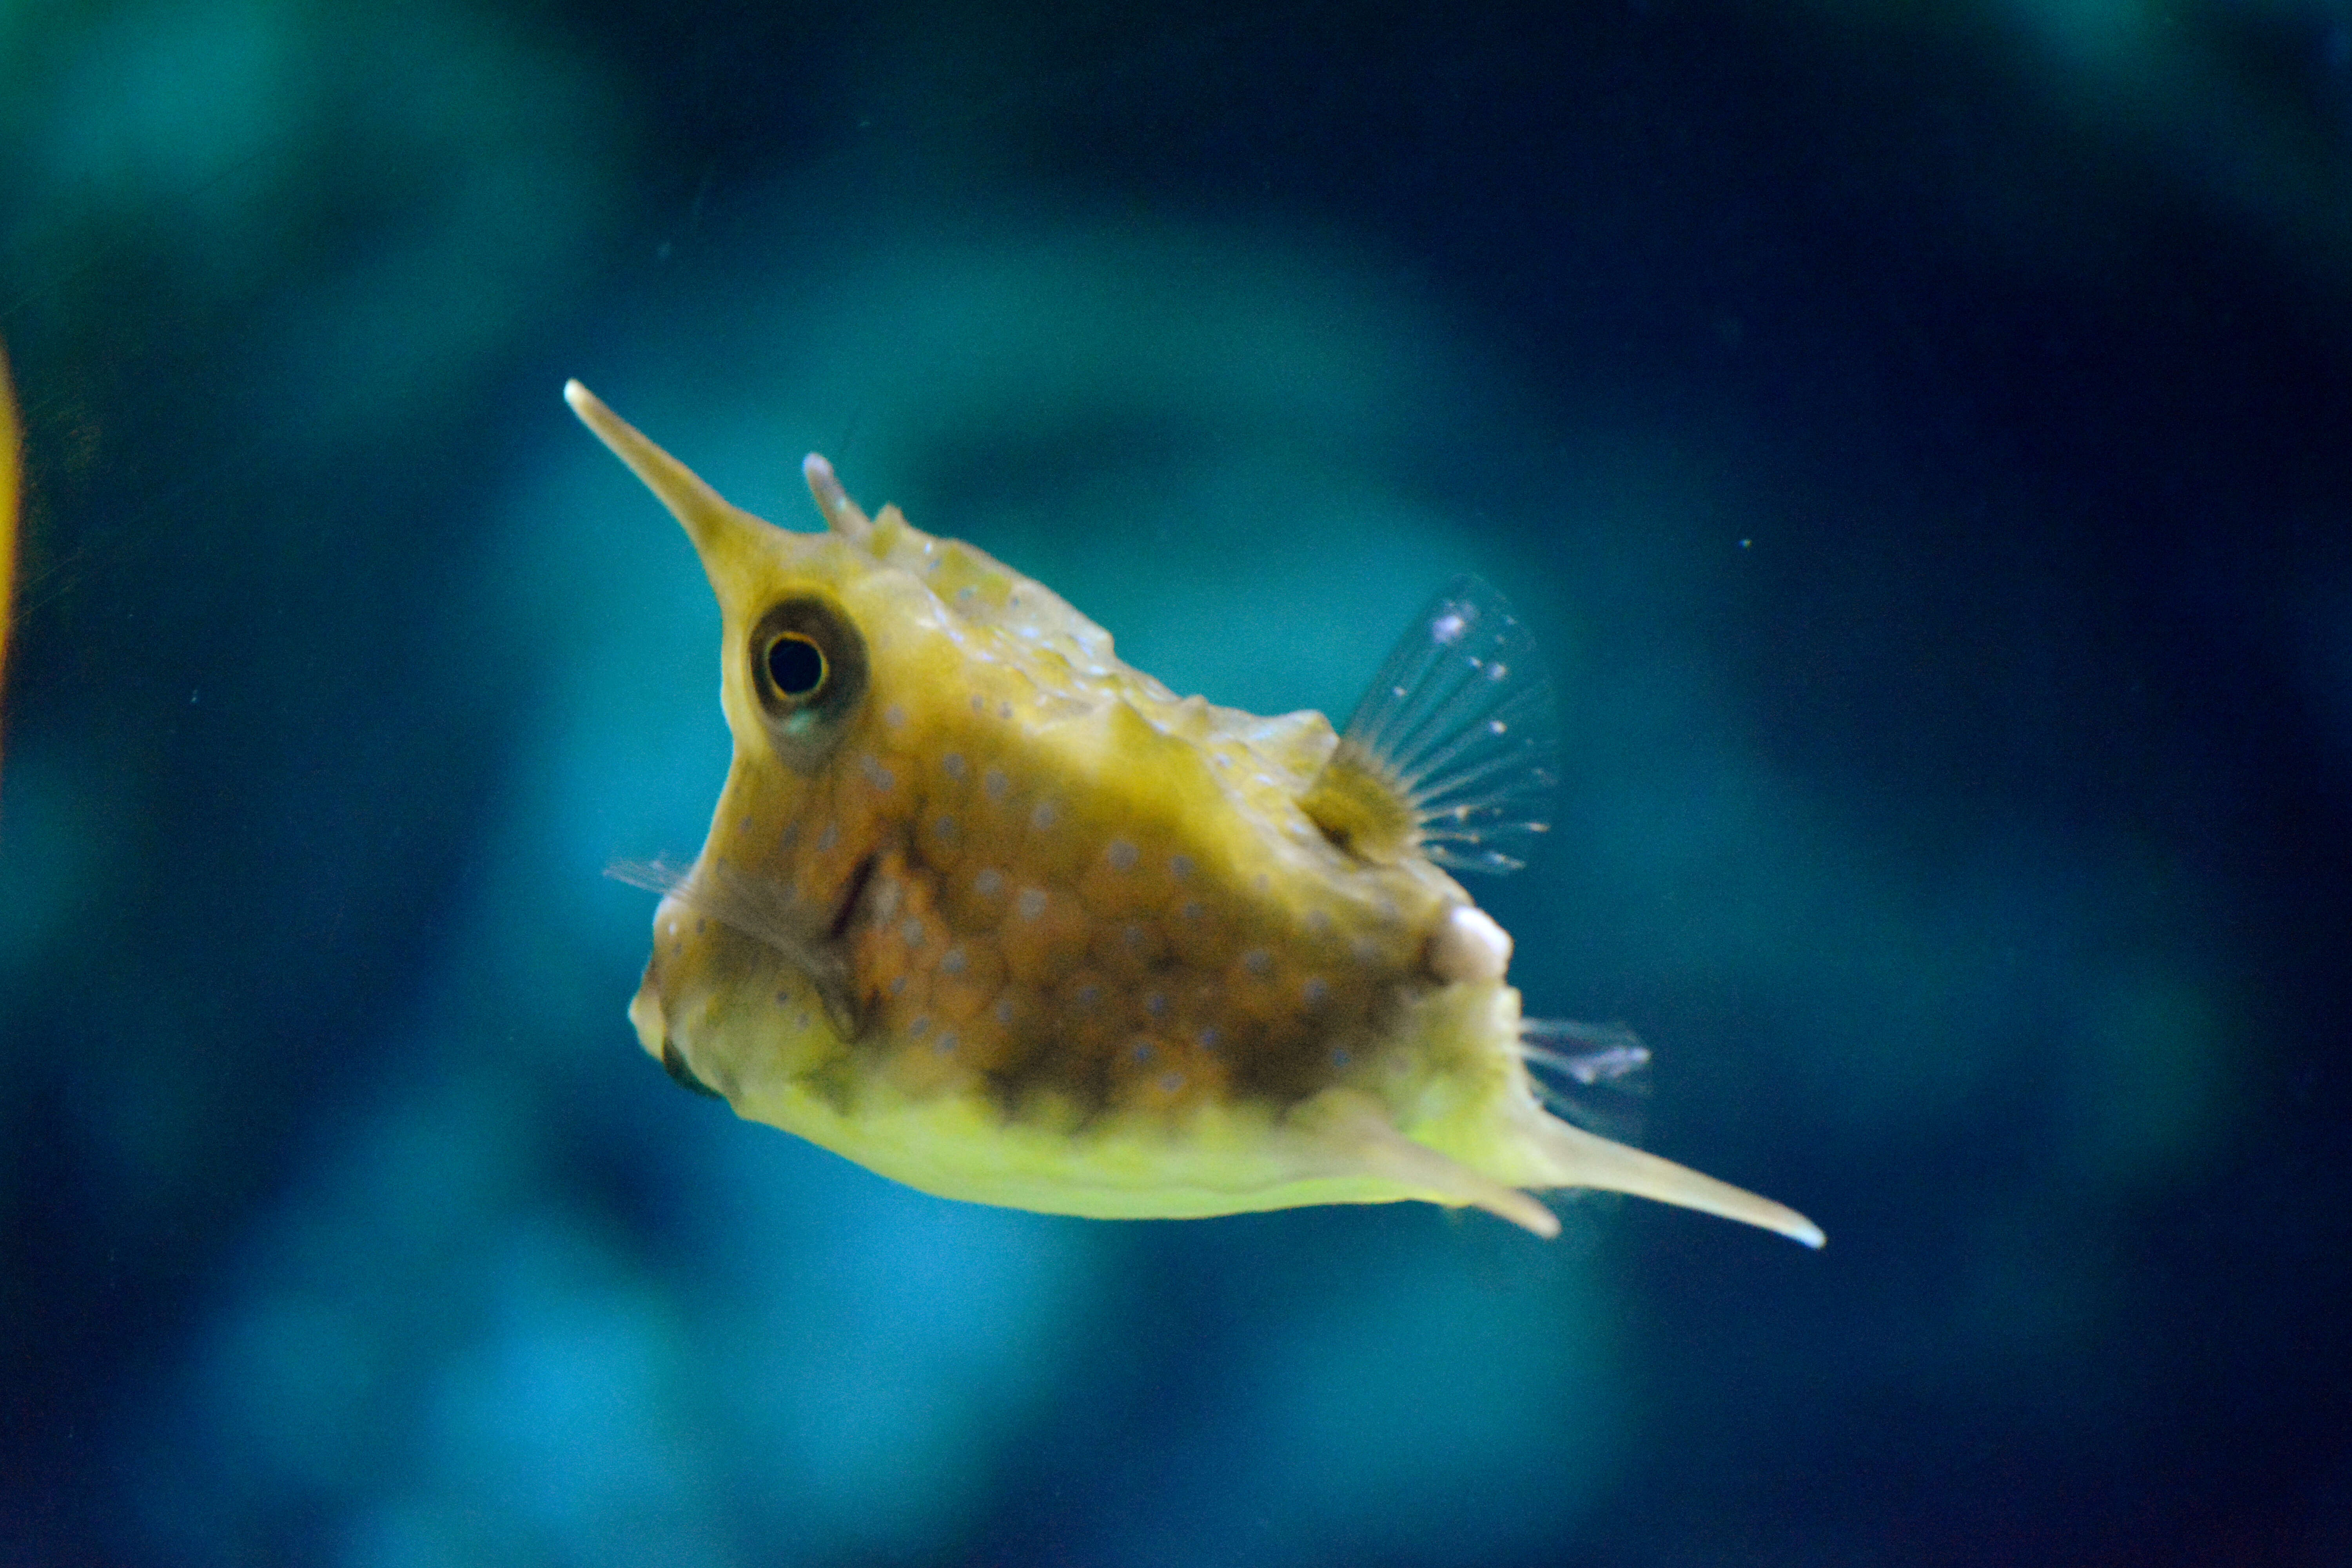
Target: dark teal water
(1920, 443)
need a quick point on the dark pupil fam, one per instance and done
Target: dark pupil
(795, 666)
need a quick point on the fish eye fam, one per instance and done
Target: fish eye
(797, 664)
(808, 669)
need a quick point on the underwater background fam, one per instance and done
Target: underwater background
(1920, 437)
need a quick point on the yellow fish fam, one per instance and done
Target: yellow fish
(993, 914)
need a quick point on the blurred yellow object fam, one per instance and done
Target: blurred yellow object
(9, 474)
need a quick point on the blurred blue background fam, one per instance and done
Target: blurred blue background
(1921, 437)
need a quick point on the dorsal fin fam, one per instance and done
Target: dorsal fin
(1453, 751)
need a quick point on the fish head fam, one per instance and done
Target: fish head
(835, 646)
(902, 708)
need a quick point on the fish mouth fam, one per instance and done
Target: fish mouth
(674, 1063)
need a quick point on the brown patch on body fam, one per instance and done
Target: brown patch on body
(1084, 971)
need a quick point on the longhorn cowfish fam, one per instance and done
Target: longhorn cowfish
(993, 914)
